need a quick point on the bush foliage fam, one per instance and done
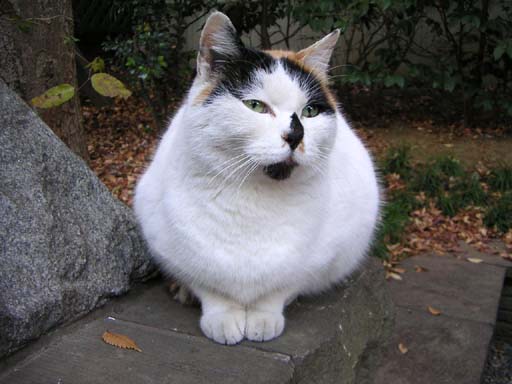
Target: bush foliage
(459, 46)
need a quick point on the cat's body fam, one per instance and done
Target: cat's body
(250, 208)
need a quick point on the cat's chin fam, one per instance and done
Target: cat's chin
(281, 170)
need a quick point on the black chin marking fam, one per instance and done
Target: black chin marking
(279, 171)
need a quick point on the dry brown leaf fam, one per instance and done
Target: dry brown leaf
(434, 311)
(402, 348)
(120, 341)
(419, 268)
(398, 270)
(474, 260)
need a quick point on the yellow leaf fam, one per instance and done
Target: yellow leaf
(402, 348)
(97, 65)
(433, 311)
(54, 96)
(120, 341)
(107, 85)
(474, 260)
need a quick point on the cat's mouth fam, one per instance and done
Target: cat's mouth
(281, 170)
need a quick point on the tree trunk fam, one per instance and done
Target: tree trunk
(265, 38)
(37, 54)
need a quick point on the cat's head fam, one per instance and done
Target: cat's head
(261, 111)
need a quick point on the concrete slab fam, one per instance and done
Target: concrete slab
(166, 357)
(493, 259)
(310, 321)
(441, 350)
(329, 338)
(326, 334)
(456, 287)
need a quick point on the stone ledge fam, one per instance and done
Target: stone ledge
(328, 339)
(452, 347)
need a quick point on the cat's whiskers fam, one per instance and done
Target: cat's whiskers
(223, 164)
(245, 162)
(255, 165)
(235, 163)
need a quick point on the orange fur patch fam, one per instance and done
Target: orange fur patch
(298, 58)
(203, 95)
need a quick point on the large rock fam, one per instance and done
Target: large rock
(66, 245)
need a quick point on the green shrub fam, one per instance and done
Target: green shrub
(449, 166)
(430, 179)
(474, 46)
(449, 204)
(500, 179)
(471, 191)
(395, 217)
(397, 160)
(499, 214)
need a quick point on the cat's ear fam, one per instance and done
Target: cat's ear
(219, 42)
(317, 56)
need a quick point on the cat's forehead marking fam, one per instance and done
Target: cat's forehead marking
(297, 58)
(281, 89)
(239, 74)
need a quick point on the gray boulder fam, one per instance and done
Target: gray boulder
(66, 245)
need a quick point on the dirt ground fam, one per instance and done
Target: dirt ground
(426, 143)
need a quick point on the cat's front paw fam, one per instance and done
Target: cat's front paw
(224, 327)
(263, 325)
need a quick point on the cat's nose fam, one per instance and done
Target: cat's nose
(296, 134)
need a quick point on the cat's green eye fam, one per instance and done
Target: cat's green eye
(310, 111)
(256, 106)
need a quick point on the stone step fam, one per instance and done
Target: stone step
(338, 337)
(451, 347)
(328, 338)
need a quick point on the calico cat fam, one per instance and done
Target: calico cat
(259, 190)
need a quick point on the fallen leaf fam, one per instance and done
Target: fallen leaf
(419, 268)
(402, 348)
(433, 311)
(120, 341)
(474, 260)
(393, 275)
(398, 270)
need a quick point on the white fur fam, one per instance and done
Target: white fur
(244, 243)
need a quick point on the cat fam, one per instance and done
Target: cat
(259, 190)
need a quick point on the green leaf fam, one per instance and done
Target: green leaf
(386, 4)
(449, 84)
(97, 65)
(499, 51)
(509, 50)
(391, 80)
(107, 85)
(54, 96)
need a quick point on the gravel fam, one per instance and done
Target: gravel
(498, 368)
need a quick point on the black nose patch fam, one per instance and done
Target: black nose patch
(295, 136)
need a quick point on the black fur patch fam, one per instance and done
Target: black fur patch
(236, 74)
(309, 83)
(279, 171)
